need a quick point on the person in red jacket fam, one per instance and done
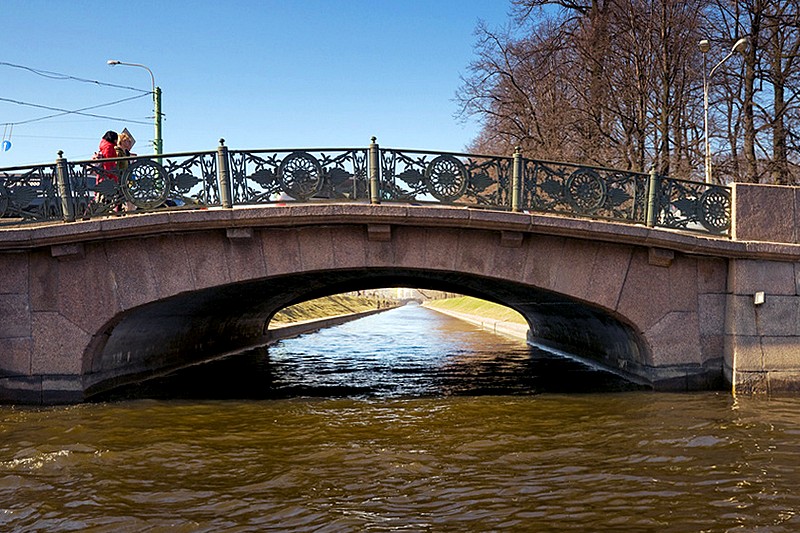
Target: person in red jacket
(108, 150)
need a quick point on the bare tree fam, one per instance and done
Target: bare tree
(619, 83)
(606, 79)
(783, 46)
(762, 102)
(516, 87)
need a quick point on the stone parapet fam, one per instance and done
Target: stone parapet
(765, 213)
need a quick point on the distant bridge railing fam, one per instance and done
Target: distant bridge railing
(68, 191)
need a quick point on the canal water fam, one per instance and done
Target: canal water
(403, 421)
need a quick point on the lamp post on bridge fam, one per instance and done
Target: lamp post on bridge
(157, 142)
(739, 46)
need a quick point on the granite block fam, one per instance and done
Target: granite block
(315, 247)
(778, 316)
(15, 316)
(683, 284)
(281, 251)
(740, 316)
(44, 286)
(675, 340)
(784, 382)
(441, 248)
(711, 313)
(744, 353)
(15, 356)
(135, 281)
(754, 210)
(207, 257)
(751, 383)
(14, 272)
(475, 252)
(712, 275)
(245, 258)
(748, 276)
(574, 274)
(170, 265)
(781, 353)
(544, 260)
(349, 247)
(87, 289)
(58, 345)
(647, 293)
(609, 271)
(506, 262)
(407, 249)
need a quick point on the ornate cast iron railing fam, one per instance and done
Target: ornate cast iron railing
(280, 175)
(29, 193)
(585, 191)
(693, 206)
(85, 189)
(424, 176)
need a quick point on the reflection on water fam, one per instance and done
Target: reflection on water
(408, 351)
(421, 446)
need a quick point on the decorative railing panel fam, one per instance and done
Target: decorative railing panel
(112, 186)
(29, 193)
(585, 191)
(692, 205)
(448, 178)
(86, 189)
(286, 175)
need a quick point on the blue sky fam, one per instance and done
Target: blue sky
(261, 74)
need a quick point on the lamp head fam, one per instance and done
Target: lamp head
(704, 45)
(740, 45)
(113, 62)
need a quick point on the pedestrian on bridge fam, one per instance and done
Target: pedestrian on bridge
(125, 142)
(108, 150)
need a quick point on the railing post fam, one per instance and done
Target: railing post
(374, 172)
(224, 176)
(652, 198)
(64, 188)
(516, 180)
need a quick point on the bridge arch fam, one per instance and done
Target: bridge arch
(200, 325)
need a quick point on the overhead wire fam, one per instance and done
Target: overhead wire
(62, 112)
(59, 76)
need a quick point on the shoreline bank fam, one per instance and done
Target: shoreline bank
(295, 329)
(501, 327)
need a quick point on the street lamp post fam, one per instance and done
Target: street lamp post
(739, 46)
(157, 142)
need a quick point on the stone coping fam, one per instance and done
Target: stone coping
(18, 238)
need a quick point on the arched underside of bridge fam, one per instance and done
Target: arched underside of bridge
(193, 327)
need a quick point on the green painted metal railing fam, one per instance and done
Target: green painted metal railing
(68, 191)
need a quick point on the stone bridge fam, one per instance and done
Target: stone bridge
(93, 304)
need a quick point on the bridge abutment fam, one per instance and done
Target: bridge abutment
(762, 322)
(762, 327)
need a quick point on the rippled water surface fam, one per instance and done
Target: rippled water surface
(340, 445)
